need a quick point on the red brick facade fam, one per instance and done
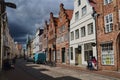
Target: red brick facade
(52, 38)
(104, 37)
(62, 41)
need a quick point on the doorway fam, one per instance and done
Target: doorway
(78, 59)
(63, 55)
(118, 51)
(50, 54)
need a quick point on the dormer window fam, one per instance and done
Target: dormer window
(107, 1)
(79, 2)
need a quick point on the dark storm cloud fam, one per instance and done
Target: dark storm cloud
(31, 14)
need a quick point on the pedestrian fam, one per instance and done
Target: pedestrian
(94, 63)
(13, 62)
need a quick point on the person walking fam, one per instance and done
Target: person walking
(94, 63)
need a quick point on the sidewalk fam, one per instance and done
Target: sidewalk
(115, 74)
(2, 76)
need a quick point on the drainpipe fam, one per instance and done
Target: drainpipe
(2, 42)
(95, 16)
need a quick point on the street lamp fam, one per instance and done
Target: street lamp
(3, 5)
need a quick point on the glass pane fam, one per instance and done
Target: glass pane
(84, 10)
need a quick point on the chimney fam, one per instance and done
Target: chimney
(51, 14)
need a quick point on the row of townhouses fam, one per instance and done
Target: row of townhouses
(91, 29)
(8, 47)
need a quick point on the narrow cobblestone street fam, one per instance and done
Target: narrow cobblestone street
(29, 71)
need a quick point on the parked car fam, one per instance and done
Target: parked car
(30, 59)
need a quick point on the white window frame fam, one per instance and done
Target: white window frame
(77, 34)
(84, 10)
(90, 29)
(107, 2)
(83, 31)
(72, 35)
(79, 2)
(77, 15)
(107, 54)
(108, 20)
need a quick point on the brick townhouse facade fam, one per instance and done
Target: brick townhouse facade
(108, 34)
(45, 39)
(62, 41)
(52, 38)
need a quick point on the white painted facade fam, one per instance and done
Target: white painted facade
(83, 20)
(36, 42)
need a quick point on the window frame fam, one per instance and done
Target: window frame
(76, 15)
(72, 35)
(107, 2)
(107, 54)
(77, 34)
(83, 31)
(108, 20)
(90, 28)
(84, 10)
(79, 2)
(88, 51)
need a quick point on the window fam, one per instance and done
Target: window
(90, 28)
(61, 29)
(84, 10)
(79, 2)
(66, 37)
(107, 54)
(83, 31)
(88, 51)
(77, 15)
(72, 35)
(107, 1)
(77, 34)
(58, 54)
(71, 53)
(108, 23)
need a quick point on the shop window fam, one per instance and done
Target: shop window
(107, 54)
(88, 51)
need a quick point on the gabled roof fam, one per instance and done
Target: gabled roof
(56, 20)
(69, 13)
(92, 3)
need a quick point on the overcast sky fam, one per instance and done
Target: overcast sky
(31, 14)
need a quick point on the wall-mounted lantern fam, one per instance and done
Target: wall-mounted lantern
(93, 44)
(79, 48)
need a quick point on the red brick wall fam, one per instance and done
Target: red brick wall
(64, 17)
(105, 37)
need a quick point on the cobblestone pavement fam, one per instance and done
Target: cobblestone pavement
(29, 71)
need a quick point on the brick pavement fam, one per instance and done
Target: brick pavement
(115, 74)
(30, 71)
